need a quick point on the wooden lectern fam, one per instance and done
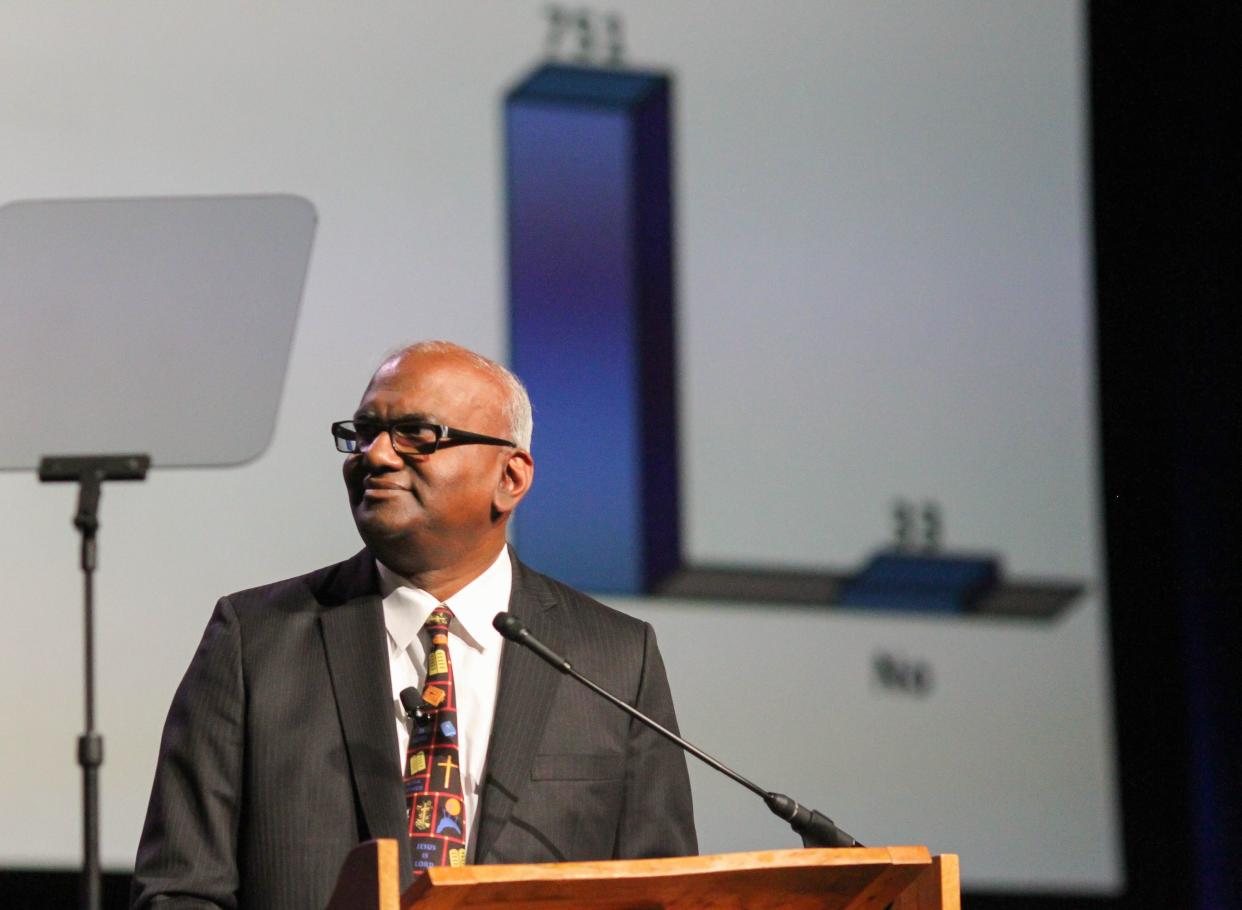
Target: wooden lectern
(874, 878)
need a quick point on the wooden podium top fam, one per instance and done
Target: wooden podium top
(907, 878)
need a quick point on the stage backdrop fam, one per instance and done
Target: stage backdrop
(881, 283)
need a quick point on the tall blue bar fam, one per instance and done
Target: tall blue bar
(591, 322)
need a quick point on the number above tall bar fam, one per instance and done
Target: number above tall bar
(590, 243)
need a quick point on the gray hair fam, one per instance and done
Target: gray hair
(517, 402)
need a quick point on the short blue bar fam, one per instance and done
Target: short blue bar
(922, 581)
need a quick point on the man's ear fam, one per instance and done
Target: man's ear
(515, 480)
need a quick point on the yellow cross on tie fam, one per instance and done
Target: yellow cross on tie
(448, 767)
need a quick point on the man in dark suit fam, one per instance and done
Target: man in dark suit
(282, 750)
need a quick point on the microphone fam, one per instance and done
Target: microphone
(415, 707)
(514, 629)
(815, 828)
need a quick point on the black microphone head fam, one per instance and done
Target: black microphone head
(411, 700)
(509, 626)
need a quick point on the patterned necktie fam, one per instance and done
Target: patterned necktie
(433, 789)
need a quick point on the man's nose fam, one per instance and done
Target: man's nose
(381, 453)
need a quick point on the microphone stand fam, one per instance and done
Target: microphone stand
(815, 828)
(89, 472)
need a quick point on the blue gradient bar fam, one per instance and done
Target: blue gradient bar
(591, 323)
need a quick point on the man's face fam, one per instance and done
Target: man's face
(420, 513)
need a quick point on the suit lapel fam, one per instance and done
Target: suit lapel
(522, 705)
(352, 622)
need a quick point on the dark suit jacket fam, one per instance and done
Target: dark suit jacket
(280, 753)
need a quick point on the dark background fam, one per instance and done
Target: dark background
(1162, 82)
(1167, 296)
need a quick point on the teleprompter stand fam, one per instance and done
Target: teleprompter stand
(90, 472)
(99, 298)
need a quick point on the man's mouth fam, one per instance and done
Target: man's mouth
(372, 486)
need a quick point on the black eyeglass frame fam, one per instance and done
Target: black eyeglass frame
(343, 429)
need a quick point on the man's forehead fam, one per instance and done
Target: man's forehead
(431, 384)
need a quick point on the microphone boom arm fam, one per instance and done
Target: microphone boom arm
(815, 828)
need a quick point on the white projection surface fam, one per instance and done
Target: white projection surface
(883, 262)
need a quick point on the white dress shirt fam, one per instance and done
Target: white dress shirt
(474, 647)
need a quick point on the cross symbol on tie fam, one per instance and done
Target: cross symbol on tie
(448, 767)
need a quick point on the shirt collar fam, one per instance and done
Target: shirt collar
(407, 607)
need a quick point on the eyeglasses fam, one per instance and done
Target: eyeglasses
(409, 437)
